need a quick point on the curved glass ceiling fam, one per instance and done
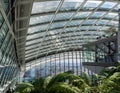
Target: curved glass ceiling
(59, 25)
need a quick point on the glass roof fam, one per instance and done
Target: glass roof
(64, 24)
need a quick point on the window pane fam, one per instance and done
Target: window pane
(40, 7)
(108, 5)
(40, 19)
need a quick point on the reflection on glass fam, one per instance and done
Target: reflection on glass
(40, 19)
(39, 7)
(37, 28)
(108, 5)
(92, 4)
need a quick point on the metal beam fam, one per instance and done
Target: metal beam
(81, 31)
(55, 0)
(76, 19)
(62, 38)
(52, 53)
(57, 28)
(99, 64)
(72, 10)
(113, 38)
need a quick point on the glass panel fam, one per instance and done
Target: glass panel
(92, 33)
(57, 24)
(114, 23)
(30, 47)
(111, 15)
(98, 14)
(32, 50)
(104, 28)
(117, 7)
(92, 4)
(37, 28)
(40, 7)
(89, 21)
(71, 4)
(95, 27)
(108, 5)
(40, 19)
(74, 23)
(61, 16)
(1, 19)
(83, 27)
(6, 6)
(32, 42)
(82, 14)
(70, 29)
(31, 54)
(5, 27)
(102, 22)
(35, 36)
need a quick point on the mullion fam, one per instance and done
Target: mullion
(60, 62)
(72, 61)
(45, 65)
(55, 64)
(50, 66)
(68, 61)
(64, 61)
(76, 61)
(81, 60)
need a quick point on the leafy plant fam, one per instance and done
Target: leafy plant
(25, 88)
(86, 78)
(63, 88)
(38, 85)
(107, 82)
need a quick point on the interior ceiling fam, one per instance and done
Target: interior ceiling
(46, 26)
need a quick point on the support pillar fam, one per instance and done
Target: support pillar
(118, 39)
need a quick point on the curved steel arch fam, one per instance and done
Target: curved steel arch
(50, 35)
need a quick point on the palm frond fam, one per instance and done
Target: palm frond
(63, 88)
(86, 78)
(63, 77)
(24, 88)
(79, 83)
(46, 81)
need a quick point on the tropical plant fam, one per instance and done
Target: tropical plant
(111, 83)
(25, 88)
(62, 77)
(69, 81)
(63, 88)
(86, 78)
(107, 82)
(46, 81)
(38, 85)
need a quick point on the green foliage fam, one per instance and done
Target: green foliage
(110, 71)
(107, 82)
(63, 88)
(38, 85)
(25, 88)
(80, 83)
(86, 78)
(46, 81)
(62, 77)
(71, 80)
(111, 84)
(94, 79)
